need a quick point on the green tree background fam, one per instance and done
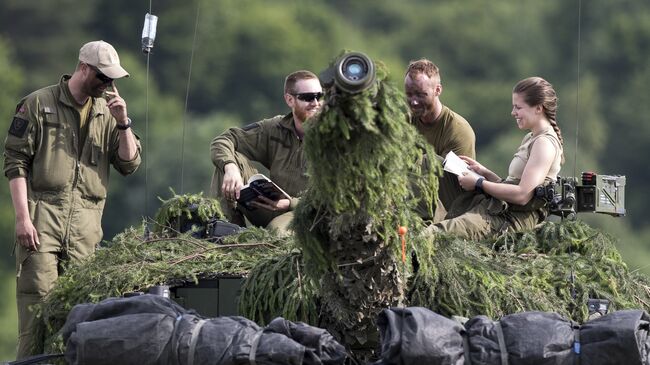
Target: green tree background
(594, 52)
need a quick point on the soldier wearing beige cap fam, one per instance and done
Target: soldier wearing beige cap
(57, 157)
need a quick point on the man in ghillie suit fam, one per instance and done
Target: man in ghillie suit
(347, 223)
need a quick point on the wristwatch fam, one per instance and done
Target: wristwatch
(125, 126)
(479, 185)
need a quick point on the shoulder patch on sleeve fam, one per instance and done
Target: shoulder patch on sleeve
(251, 126)
(18, 127)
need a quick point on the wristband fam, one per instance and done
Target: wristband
(126, 126)
(479, 185)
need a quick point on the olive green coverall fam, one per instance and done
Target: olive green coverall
(66, 188)
(275, 145)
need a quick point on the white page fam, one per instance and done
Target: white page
(455, 165)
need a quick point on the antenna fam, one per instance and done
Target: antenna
(572, 276)
(148, 37)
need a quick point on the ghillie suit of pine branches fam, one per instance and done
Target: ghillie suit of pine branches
(364, 157)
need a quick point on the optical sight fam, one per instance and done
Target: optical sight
(353, 72)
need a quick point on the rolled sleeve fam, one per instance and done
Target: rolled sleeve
(128, 167)
(17, 160)
(19, 149)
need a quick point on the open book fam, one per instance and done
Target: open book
(455, 165)
(260, 185)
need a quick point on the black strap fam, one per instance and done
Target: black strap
(35, 359)
(253, 354)
(468, 361)
(502, 344)
(576, 345)
(194, 339)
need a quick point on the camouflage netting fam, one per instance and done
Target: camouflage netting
(129, 262)
(344, 263)
(188, 209)
(554, 268)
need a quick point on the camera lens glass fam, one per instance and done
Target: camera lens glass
(353, 72)
(355, 69)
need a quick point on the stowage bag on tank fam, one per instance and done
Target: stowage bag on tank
(151, 329)
(528, 338)
(416, 335)
(620, 337)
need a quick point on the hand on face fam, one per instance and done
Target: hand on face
(117, 105)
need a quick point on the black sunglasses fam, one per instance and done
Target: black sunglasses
(100, 76)
(308, 97)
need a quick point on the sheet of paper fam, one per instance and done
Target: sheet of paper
(454, 164)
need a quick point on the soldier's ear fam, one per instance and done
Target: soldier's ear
(437, 90)
(289, 99)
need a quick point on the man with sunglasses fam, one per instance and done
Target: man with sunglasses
(57, 157)
(275, 143)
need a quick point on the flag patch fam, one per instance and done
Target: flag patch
(18, 127)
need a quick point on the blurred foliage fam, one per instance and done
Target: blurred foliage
(244, 49)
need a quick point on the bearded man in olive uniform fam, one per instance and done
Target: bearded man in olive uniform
(57, 157)
(275, 143)
(440, 126)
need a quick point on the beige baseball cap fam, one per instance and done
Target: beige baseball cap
(103, 56)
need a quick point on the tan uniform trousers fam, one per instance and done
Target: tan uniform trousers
(36, 273)
(238, 215)
(478, 216)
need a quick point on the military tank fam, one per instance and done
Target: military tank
(348, 259)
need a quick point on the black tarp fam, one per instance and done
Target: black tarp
(617, 338)
(418, 336)
(535, 338)
(150, 329)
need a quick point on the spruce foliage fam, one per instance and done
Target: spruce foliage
(131, 262)
(554, 268)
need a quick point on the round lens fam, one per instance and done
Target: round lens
(354, 69)
(354, 72)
